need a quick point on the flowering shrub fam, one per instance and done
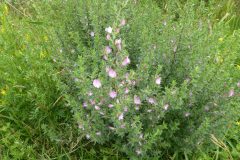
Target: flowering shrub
(150, 83)
(134, 78)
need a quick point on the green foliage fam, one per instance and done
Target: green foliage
(176, 65)
(181, 46)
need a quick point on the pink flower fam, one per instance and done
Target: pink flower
(92, 102)
(97, 83)
(127, 74)
(123, 126)
(120, 117)
(137, 100)
(117, 30)
(90, 93)
(126, 90)
(80, 126)
(97, 108)
(85, 104)
(125, 109)
(113, 94)
(111, 73)
(238, 84)
(126, 61)
(118, 43)
(158, 80)
(151, 101)
(166, 106)
(231, 93)
(123, 22)
(133, 82)
(109, 30)
(110, 106)
(105, 57)
(108, 37)
(108, 49)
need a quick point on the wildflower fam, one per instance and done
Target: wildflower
(206, 108)
(123, 22)
(88, 136)
(123, 126)
(151, 101)
(231, 93)
(92, 102)
(97, 108)
(187, 114)
(238, 84)
(126, 61)
(102, 113)
(92, 34)
(85, 104)
(138, 152)
(111, 128)
(108, 49)
(164, 23)
(80, 126)
(113, 94)
(108, 37)
(118, 43)
(110, 106)
(117, 30)
(98, 133)
(127, 75)
(158, 80)
(108, 30)
(90, 93)
(126, 91)
(125, 109)
(137, 100)
(97, 83)
(111, 73)
(120, 117)
(149, 110)
(166, 106)
(76, 79)
(133, 82)
(118, 101)
(105, 57)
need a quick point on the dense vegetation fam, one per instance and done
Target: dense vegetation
(110, 79)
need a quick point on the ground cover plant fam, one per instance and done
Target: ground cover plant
(101, 79)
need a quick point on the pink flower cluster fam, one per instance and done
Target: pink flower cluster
(121, 86)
